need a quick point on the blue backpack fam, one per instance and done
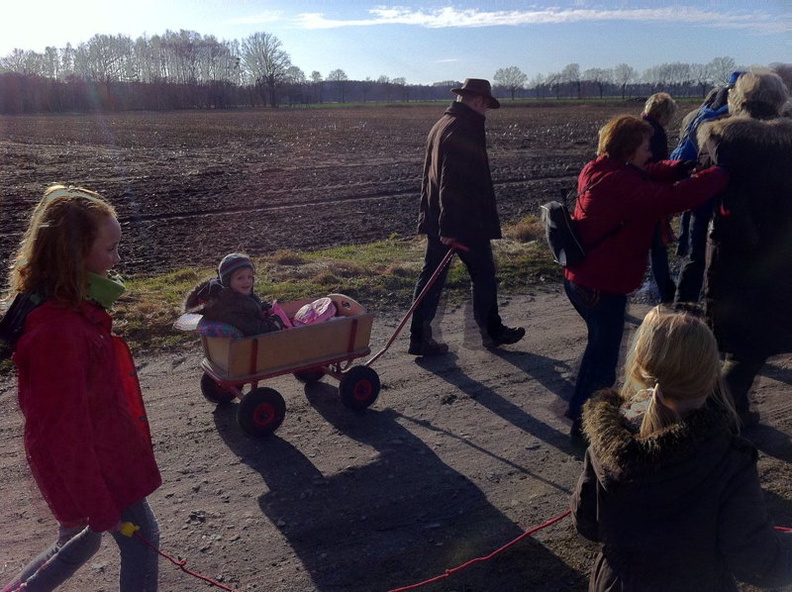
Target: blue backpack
(687, 149)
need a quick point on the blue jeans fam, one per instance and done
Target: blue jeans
(75, 546)
(691, 276)
(481, 268)
(604, 317)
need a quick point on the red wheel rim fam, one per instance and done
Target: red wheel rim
(362, 390)
(265, 414)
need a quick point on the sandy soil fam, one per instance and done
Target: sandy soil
(459, 455)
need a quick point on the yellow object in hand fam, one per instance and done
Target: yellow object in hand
(128, 529)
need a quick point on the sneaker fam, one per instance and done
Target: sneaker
(423, 347)
(506, 336)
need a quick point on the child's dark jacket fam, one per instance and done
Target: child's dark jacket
(679, 511)
(247, 313)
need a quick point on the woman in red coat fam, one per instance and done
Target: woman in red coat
(86, 433)
(620, 200)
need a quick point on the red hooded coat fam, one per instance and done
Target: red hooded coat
(86, 432)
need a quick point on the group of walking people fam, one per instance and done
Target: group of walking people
(668, 486)
(741, 174)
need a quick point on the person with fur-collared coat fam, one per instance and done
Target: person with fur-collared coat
(749, 275)
(668, 486)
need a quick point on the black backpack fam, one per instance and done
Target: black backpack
(13, 322)
(561, 235)
(561, 232)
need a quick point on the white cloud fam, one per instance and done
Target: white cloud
(452, 17)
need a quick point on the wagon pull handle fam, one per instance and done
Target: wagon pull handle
(440, 267)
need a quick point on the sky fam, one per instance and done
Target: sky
(426, 41)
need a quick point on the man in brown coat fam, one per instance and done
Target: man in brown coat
(458, 210)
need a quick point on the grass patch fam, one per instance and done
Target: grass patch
(381, 276)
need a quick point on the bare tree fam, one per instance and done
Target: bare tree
(571, 74)
(701, 77)
(668, 75)
(511, 78)
(623, 75)
(266, 63)
(600, 77)
(340, 77)
(721, 70)
(104, 58)
(538, 84)
(385, 83)
(19, 61)
(295, 84)
(316, 82)
(400, 84)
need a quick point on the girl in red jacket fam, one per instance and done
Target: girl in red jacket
(86, 433)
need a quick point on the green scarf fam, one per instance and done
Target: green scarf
(104, 290)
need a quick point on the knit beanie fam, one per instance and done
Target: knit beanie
(230, 264)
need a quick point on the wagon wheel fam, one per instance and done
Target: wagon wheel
(310, 375)
(215, 393)
(359, 387)
(261, 412)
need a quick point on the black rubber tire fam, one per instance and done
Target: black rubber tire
(309, 376)
(215, 393)
(359, 388)
(261, 412)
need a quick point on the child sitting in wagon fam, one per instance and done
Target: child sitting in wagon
(229, 298)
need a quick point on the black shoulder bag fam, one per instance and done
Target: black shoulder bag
(562, 235)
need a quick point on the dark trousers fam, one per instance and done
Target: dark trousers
(481, 268)
(604, 317)
(660, 270)
(691, 276)
(739, 373)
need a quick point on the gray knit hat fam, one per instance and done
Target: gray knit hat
(230, 264)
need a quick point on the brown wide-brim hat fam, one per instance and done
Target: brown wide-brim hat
(478, 86)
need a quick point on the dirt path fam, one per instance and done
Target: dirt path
(458, 457)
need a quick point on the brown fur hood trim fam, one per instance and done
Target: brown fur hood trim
(623, 456)
(767, 132)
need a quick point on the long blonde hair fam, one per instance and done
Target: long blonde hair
(676, 356)
(60, 234)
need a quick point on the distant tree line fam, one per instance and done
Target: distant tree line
(185, 70)
(677, 78)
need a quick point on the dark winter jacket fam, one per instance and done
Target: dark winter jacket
(658, 143)
(620, 194)
(749, 279)
(457, 196)
(681, 511)
(86, 433)
(247, 313)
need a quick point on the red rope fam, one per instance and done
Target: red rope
(181, 564)
(453, 570)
